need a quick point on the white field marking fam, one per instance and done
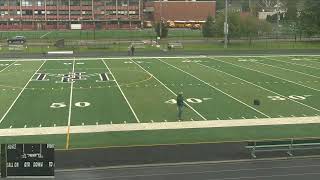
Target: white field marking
(312, 60)
(257, 85)
(169, 90)
(163, 57)
(294, 63)
(71, 96)
(5, 114)
(159, 126)
(272, 76)
(287, 69)
(230, 96)
(106, 58)
(7, 66)
(124, 96)
(45, 34)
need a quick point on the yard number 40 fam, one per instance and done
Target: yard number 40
(293, 97)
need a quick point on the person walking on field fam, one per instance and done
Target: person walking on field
(180, 104)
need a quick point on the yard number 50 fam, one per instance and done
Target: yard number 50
(63, 104)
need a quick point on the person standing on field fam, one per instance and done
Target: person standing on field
(132, 50)
(180, 104)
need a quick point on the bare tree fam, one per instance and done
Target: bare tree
(269, 5)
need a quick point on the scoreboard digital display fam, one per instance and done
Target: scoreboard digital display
(27, 160)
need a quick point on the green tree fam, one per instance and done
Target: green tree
(242, 26)
(309, 20)
(292, 11)
(164, 29)
(208, 27)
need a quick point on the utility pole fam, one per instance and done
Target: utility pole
(160, 25)
(226, 26)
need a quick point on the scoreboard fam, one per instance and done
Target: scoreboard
(27, 160)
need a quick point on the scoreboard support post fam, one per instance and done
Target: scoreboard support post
(3, 162)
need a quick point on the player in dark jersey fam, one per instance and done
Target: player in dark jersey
(180, 105)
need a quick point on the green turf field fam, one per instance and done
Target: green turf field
(80, 96)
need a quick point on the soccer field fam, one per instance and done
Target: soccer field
(66, 96)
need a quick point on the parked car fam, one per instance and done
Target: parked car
(17, 40)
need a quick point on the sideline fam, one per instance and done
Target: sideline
(158, 126)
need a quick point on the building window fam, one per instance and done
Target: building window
(26, 3)
(39, 3)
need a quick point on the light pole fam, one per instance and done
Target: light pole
(278, 17)
(160, 25)
(226, 26)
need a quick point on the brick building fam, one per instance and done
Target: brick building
(95, 14)
(182, 10)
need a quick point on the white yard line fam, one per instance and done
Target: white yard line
(45, 34)
(71, 96)
(294, 63)
(260, 87)
(124, 96)
(159, 126)
(269, 75)
(286, 69)
(21, 92)
(8, 66)
(169, 90)
(230, 96)
(160, 57)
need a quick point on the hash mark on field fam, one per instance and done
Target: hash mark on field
(254, 83)
(217, 89)
(13, 103)
(124, 96)
(168, 89)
